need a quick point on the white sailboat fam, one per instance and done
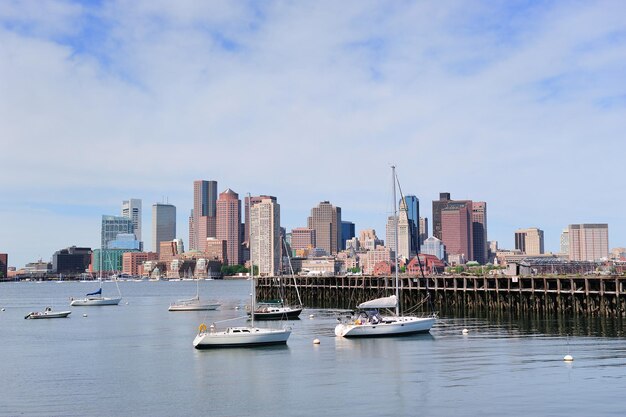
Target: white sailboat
(370, 323)
(278, 309)
(95, 298)
(193, 304)
(243, 336)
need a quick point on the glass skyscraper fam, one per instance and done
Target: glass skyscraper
(413, 213)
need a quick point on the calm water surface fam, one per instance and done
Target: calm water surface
(137, 359)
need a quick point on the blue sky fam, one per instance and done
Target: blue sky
(521, 104)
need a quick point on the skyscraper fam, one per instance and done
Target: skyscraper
(202, 223)
(565, 242)
(163, 224)
(249, 202)
(302, 238)
(479, 230)
(439, 205)
(228, 224)
(529, 241)
(326, 220)
(113, 226)
(131, 209)
(404, 249)
(423, 230)
(347, 232)
(265, 245)
(456, 229)
(588, 242)
(413, 216)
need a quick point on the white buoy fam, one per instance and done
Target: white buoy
(85, 315)
(316, 342)
(237, 308)
(311, 316)
(126, 302)
(465, 331)
(2, 308)
(568, 358)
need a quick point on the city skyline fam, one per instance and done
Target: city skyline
(513, 104)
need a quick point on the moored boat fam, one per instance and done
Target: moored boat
(48, 313)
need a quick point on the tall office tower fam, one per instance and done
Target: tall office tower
(302, 238)
(438, 205)
(565, 242)
(479, 230)
(113, 226)
(131, 209)
(347, 233)
(203, 223)
(249, 202)
(588, 242)
(529, 241)
(265, 245)
(228, 224)
(163, 224)
(413, 214)
(390, 238)
(423, 230)
(456, 229)
(326, 220)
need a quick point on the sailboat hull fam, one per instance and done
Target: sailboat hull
(99, 301)
(241, 337)
(193, 307)
(278, 313)
(390, 326)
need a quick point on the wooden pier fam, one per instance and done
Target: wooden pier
(577, 295)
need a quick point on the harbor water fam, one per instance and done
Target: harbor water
(137, 359)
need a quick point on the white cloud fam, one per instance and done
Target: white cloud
(521, 107)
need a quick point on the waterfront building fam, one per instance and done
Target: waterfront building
(347, 232)
(456, 229)
(131, 209)
(168, 250)
(529, 241)
(479, 232)
(217, 250)
(565, 242)
(163, 224)
(435, 247)
(132, 262)
(412, 204)
(228, 224)
(302, 238)
(202, 222)
(326, 220)
(4, 265)
(265, 245)
(588, 242)
(423, 230)
(113, 226)
(38, 268)
(376, 257)
(111, 260)
(71, 260)
(353, 244)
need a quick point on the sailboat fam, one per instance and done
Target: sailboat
(243, 336)
(278, 309)
(370, 323)
(95, 298)
(193, 304)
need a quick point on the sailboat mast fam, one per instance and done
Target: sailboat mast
(395, 237)
(253, 292)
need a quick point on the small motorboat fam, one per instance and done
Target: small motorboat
(47, 314)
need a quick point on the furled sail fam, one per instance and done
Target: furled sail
(384, 302)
